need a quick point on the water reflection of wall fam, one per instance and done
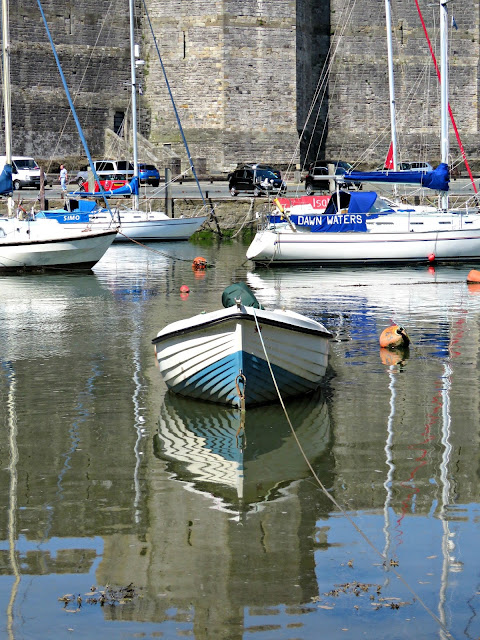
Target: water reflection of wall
(202, 547)
(72, 404)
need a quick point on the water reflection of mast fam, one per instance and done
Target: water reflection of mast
(139, 420)
(448, 545)
(12, 508)
(391, 467)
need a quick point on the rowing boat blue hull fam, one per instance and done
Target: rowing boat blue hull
(218, 382)
(223, 355)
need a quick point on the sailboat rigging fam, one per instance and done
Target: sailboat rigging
(363, 228)
(39, 243)
(135, 224)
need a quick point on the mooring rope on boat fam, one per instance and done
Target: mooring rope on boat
(337, 504)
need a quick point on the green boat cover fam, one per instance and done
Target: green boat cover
(242, 291)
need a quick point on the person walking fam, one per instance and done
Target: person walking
(63, 178)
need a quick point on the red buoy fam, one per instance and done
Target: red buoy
(394, 337)
(431, 257)
(184, 289)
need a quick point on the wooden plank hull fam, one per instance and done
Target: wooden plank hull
(205, 357)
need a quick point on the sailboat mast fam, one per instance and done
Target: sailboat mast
(134, 97)
(444, 146)
(7, 100)
(391, 84)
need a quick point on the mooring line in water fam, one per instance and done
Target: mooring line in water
(337, 504)
(161, 253)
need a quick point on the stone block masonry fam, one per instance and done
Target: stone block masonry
(244, 74)
(92, 45)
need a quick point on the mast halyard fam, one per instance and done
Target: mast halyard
(7, 94)
(444, 142)
(134, 98)
(391, 84)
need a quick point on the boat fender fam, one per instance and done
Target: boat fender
(473, 276)
(279, 205)
(394, 337)
(199, 263)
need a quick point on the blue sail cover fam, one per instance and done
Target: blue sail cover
(437, 179)
(130, 189)
(351, 217)
(6, 184)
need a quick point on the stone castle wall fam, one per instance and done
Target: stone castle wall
(95, 58)
(244, 74)
(359, 115)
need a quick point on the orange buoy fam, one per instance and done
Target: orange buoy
(184, 288)
(473, 276)
(199, 263)
(394, 337)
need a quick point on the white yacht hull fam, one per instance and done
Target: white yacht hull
(372, 246)
(46, 244)
(136, 225)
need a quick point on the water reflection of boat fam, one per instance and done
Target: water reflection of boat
(243, 464)
(360, 302)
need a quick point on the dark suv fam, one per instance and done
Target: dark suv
(255, 179)
(315, 180)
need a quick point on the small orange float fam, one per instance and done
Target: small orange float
(199, 263)
(473, 276)
(394, 337)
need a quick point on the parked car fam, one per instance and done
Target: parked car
(315, 180)
(111, 182)
(104, 168)
(424, 167)
(148, 174)
(255, 165)
(82, 175)
(255, 180)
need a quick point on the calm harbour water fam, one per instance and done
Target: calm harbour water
(108, 480)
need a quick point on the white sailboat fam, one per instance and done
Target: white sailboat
(359, 228)
(135, 224)
(39, 244)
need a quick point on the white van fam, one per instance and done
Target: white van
(25, 172)
(113, 169)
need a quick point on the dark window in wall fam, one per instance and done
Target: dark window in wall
(118, 120)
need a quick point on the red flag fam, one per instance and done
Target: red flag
(389, 158)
